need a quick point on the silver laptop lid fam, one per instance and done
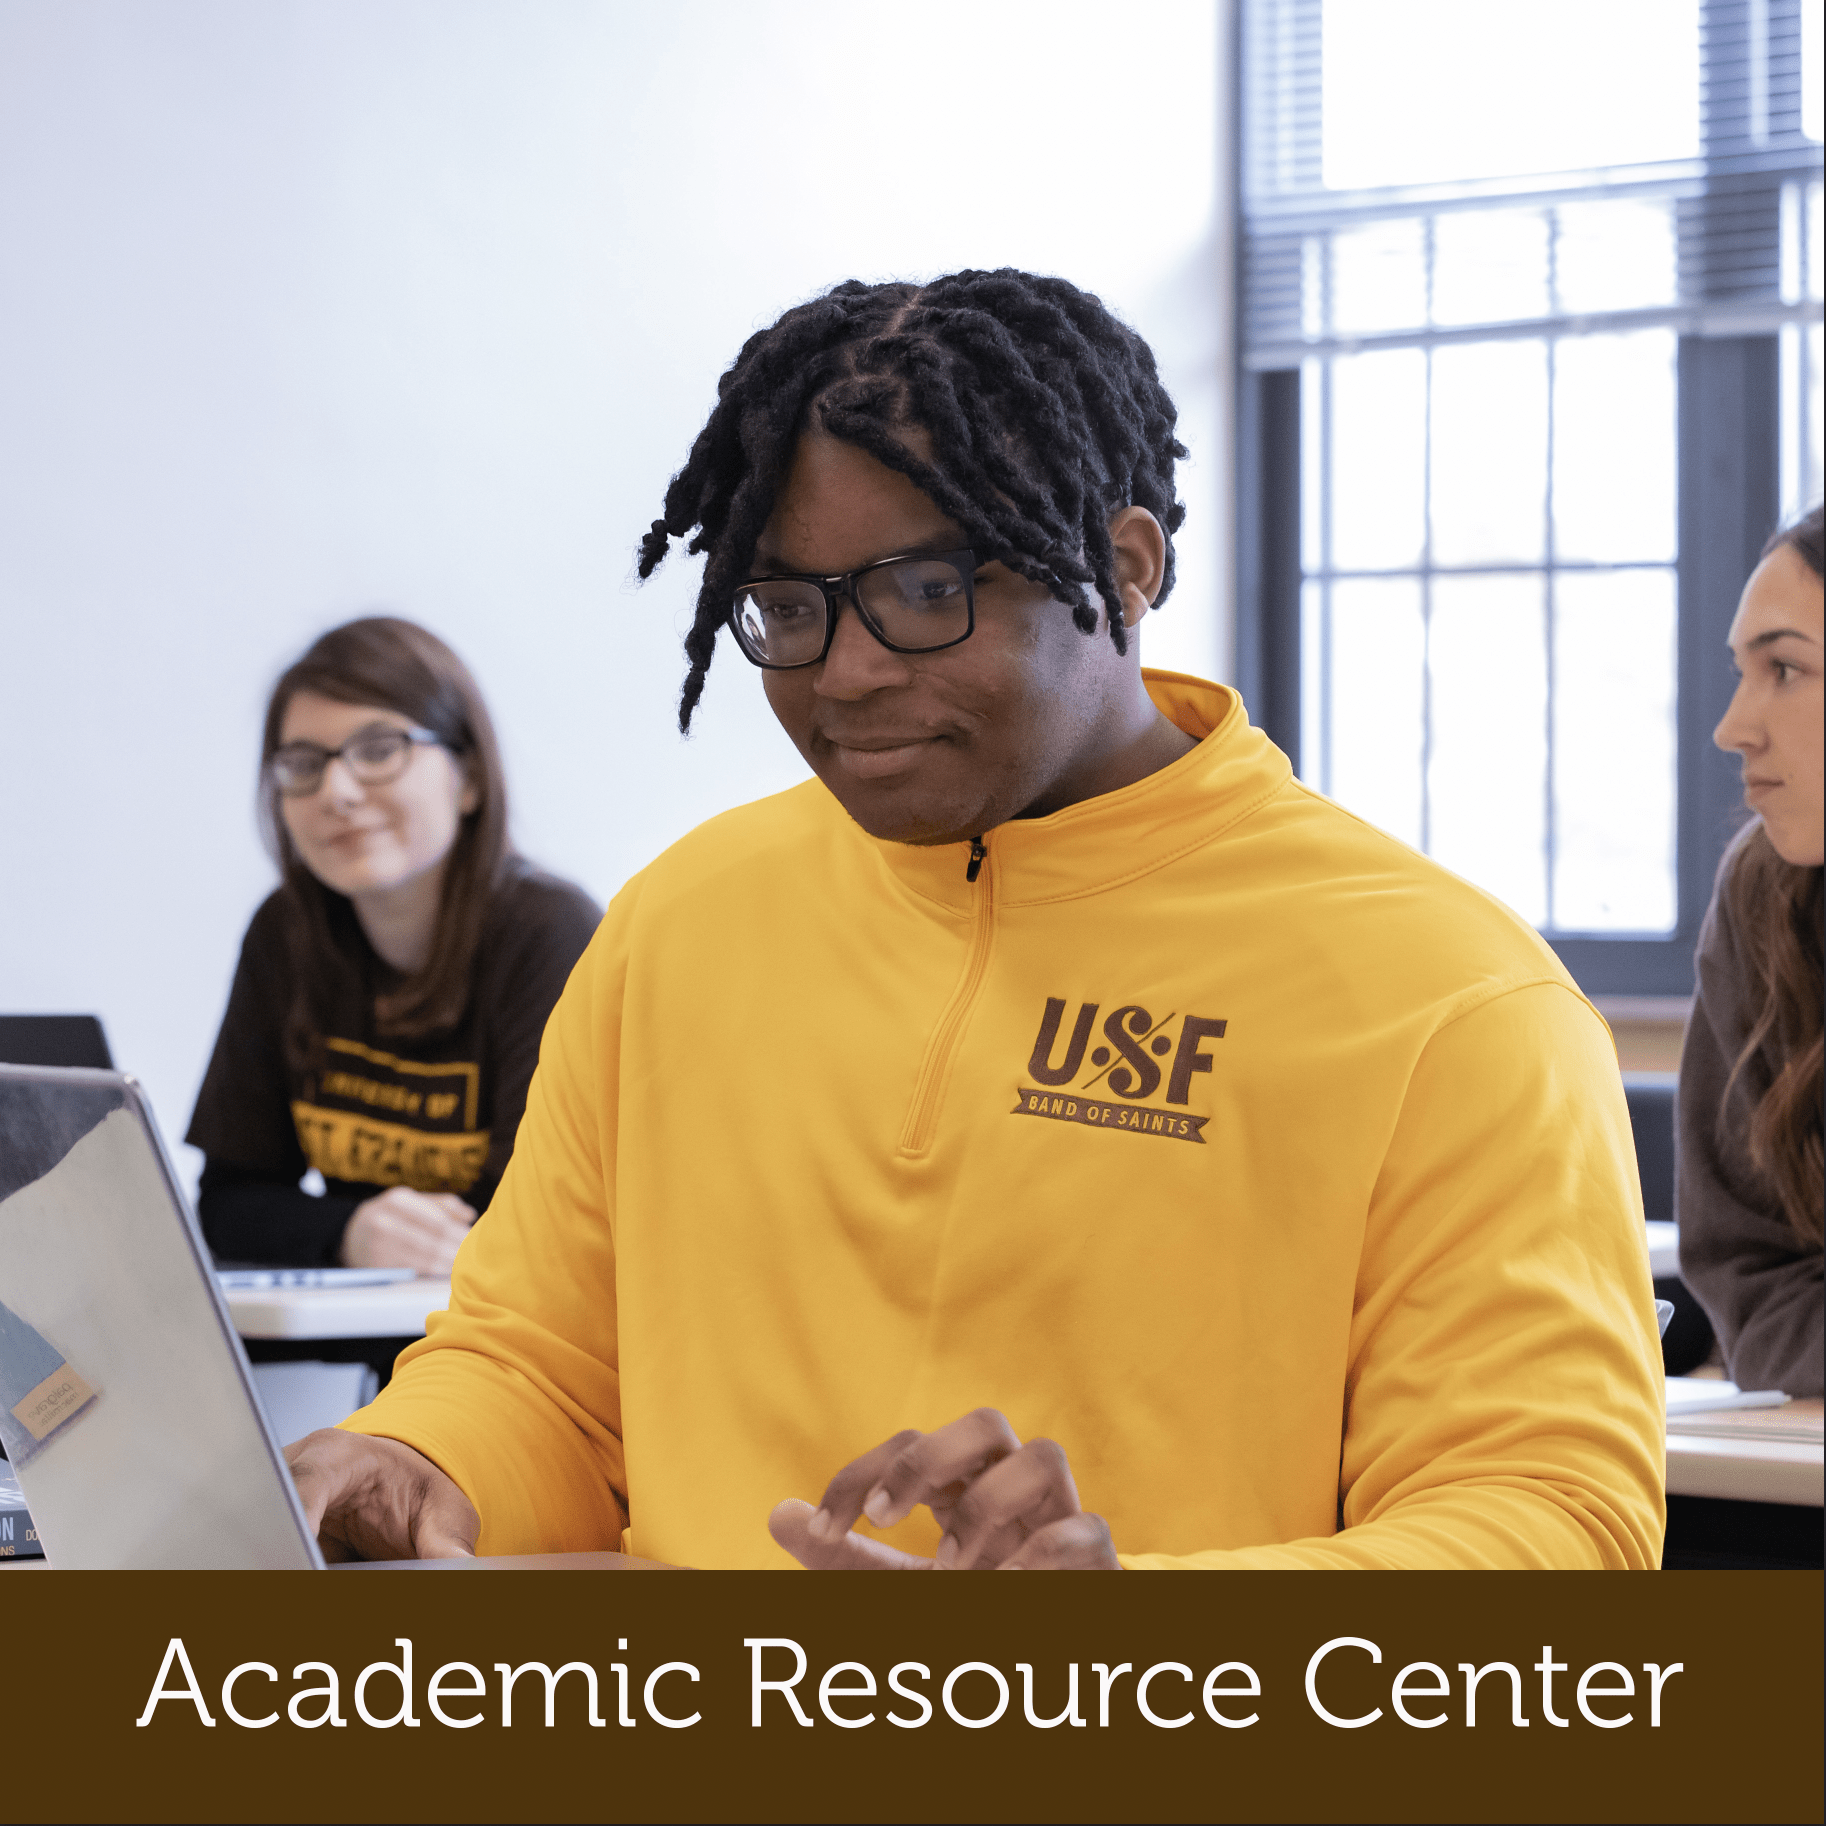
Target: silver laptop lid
(125, 1400)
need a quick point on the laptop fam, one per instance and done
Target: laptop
(126, 1402)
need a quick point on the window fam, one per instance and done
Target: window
(1518, 359)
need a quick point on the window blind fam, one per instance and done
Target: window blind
(1724, 241)
(1489, 245)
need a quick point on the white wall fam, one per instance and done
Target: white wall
(312, 307)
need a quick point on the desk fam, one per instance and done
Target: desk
(397, 1309)
(1733, 1456)
(324, 1326)
(1742, 1495)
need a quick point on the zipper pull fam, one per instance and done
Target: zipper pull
(978, 856)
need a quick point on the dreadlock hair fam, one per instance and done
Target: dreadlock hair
(1044, 415)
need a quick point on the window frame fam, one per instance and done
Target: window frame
(1728, 497)
(1728, 500)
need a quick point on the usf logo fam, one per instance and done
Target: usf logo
(1129, 1055)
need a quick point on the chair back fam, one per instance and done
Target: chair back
(1651, 1117)
(54, 1039)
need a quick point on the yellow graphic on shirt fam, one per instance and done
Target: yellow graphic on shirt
(341, 1146)
(386, 1121)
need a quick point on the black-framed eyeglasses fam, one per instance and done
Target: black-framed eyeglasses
(373, 755)
(913, 602)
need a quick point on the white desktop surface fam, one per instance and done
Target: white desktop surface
(1728, 1460)
(396, 1310)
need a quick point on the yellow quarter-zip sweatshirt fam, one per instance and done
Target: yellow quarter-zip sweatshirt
(1280, 1176)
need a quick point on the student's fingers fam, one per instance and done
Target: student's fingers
(790, 1525)
(377, 1499)
(335, 1472)
(431, 1244)
(391, 1230)
(845, 1494)
(444, 1523)
(429, 1211)
(425, 1251)
(438, 1220)
(1017, 1496)
(1077, 1543)
(401, 1228)
(937, 1467)
(360, 1237)
(441, 1227)
(319, 1476)
(439, 1262)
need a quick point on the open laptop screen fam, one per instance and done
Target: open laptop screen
(125, 1401)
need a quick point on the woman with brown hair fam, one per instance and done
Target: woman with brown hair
(1749, 1187)
(385, 1016)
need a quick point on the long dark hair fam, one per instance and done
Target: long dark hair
(394, 665)
(1777, 908)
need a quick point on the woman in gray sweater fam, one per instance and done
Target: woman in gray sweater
(1749, 1185)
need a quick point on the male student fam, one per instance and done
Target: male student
(1053, 1136)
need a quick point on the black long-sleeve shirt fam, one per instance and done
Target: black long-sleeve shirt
(263, 1217)
(437, 1113)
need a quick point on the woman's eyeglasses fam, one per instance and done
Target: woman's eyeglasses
(374, 756)
(913, 603)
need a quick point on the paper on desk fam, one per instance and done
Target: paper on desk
(1798, 1424)
(1704, 1394)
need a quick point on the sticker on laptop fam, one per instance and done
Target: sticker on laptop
(40, 1393)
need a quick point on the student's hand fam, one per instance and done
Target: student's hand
(1003, 1505)
(401, 1228)
(375, 1499)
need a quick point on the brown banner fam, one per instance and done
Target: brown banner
(1197, 1697)
(1132, 1118)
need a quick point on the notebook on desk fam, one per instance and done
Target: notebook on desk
(1688, 1396)
(268, 1280)
(1798, 1423)
(126, 1402)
